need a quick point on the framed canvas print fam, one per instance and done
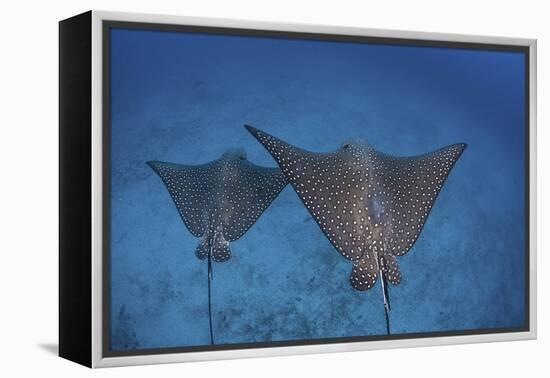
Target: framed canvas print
(233, 189)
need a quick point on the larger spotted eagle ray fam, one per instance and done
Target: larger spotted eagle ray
(219, 201)
(370, 205)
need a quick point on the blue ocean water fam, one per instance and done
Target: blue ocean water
(184, 97)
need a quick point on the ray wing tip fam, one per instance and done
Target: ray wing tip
(457, 147)
(153, 164)
(251, 129)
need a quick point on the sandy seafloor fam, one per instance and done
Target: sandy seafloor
(184, 98)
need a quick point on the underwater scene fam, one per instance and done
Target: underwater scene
(276, 189)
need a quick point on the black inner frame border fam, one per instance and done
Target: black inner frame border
(107, 25)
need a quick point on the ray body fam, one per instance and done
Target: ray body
(371, 206)
(219, 201)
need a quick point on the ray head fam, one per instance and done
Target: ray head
(235, 154)
(355, 144)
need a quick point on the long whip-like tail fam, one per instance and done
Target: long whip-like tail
(209, 294)
(386, 296)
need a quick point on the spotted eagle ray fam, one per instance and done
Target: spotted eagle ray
(219, 201)
(370, 205)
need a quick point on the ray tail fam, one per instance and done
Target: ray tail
(209, 295)
(386, 297)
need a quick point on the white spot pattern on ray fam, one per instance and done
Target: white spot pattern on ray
(219, 201)
(370, 205)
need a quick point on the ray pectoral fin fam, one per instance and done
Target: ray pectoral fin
(258, 134)
(414, 184)
(189, 188)
(258, 187)
(271, 144)
(280, 150)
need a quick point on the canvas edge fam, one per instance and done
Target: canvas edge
(533, 214)
(97, 191)
(74, 153)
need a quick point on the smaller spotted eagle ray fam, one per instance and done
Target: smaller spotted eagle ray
(219, 201)
(370, 205)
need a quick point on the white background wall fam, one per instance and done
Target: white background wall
(28, 190)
